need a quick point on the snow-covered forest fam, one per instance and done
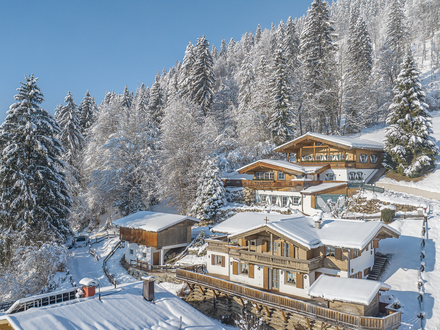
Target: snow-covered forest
(331, 71)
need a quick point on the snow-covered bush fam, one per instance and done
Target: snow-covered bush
(31, 269)
(248, 321)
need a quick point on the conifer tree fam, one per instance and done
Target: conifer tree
(156, 103)
(409, 145)
(281, 119)
(317, 55)
(290, 45)
(34, 198)
(211, 194)
(70, 131)
(185, 71)
(203, 76)
(223, 49)
(258, 34)
(87, 112)
(127, 98)
(214, 52)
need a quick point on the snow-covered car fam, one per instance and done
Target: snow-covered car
(81, 241)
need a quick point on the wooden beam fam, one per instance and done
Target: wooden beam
(267, 311)
(241, 299)
(284, 316)
(227, 296)
(189, 286)
(257, 307)
(308, 323)
(201, 289)
(215, 294)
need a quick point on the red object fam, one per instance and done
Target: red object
(88, 291)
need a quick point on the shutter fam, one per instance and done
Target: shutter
(338, 254)
(251, 271)
(376, 243)
(291, 251)
(360, 275)
(360, 253)
(366, 271)
(299, 281)
(212, 259)
(351, 254)
(235, 267)
(264, 246)
(223, 261)
(366, 249)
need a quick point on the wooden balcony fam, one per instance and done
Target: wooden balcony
(291, 305)
(271, 184)
(333, 163)
(283, 262)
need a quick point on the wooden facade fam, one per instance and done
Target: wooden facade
(288, 304)
(179, 233)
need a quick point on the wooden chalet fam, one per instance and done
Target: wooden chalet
(150, 235)
(322, 165)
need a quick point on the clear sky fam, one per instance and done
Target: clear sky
(105, 45)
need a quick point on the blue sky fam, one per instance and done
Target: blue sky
(105, 45)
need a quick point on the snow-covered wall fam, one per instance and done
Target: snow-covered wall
(218, 269)
(141, 252)
(359, 264)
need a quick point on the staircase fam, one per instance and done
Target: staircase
(377, 175)
(379, 263)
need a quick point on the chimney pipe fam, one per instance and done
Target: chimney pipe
(317, 218)
(148, 288)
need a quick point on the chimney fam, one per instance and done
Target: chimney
(318, 220)
(148, 288)
(88, 286)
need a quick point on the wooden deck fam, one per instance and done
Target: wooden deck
(289, 304)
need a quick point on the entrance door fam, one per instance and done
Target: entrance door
(275, 278)
(266, 278)
(156, 258)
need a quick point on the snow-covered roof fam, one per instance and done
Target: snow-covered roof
(151, 221)
(350, 290)
(246, 220)
(322, 187)
(347, 141)
(305, 169)
(122, 308)
(349, 234)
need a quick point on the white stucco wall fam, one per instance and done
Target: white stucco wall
(307, 205)
(333, 272)
(244, 278)
(285, 287)
(366, 260)
(218, 269)
(138, 251)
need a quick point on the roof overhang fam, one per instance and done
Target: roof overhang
(261, 166)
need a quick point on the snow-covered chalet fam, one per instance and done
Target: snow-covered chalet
(317, 167)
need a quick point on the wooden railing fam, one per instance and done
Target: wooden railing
(303, 265)
(147, 267)
(295, 306)
(110, 277)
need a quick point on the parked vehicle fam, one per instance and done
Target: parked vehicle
(81, 241)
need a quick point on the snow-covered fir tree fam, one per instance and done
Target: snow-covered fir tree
(211, 195)
(203, 78)
(156, 102)
(409, 145)
(70, 130)
(87, 112)
(317, 55)
(185, 71)
(34, 198)
(127, 98)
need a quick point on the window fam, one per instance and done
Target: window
(363, 158)
(351, 175)
(144, 255)
(244, 268)
(284, 201)
(253, 245)
(131, 251)
(275, 278)
(285, 251)
(218, 260)
(281, 176)
(355, 253)
(359, 176)
(329, 251)
(274, 200)
(319, 157)
(329, 176)
(296, 200)
(275, 245)
(264, 175)
(290, 277)
(373, 159)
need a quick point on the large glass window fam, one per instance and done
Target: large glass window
(290, 277)
(284, 198)
(275, 246)
(373, 159)
(363, 158)
(275, 278)
(329, 251)
(274, 200)
(264, 175)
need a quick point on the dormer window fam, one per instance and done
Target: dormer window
(363, 158)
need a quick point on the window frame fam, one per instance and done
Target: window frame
(272, 198)
(296, 198)
(330, 251)
(371, 159)
(281, 176)
(131, 252)
(284, 201)
(285, 249)
(244, 268)
(286, 278)
(361, 157)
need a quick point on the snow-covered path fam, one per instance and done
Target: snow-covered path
(82, 264)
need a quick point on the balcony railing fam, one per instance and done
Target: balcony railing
(271, 260)
(340, 319)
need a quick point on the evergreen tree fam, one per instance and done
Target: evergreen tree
(409, 145)
(185, 72)
(258, 34)
(214, 52)
(141, 99)
(317, 55)
(156, 103)
(211, 194)
(127, 98)
(34, 197)
(87, 112)
(290, 45)
(357, 76)
(70, 130)
(281, 119)
(203, 76)
(223, 49)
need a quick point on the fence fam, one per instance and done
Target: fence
(110, 277)
(362, 185)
